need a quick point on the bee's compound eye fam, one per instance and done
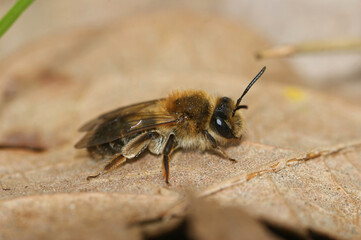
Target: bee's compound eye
(222, 128)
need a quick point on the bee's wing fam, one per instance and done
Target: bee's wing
(123, 122)
(119, 112)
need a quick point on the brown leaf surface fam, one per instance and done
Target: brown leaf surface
(53, 86)
(211, 222)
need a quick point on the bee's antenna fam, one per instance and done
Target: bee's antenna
(246, 90)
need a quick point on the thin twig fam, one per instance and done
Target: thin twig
(311, 47)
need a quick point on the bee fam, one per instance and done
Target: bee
(188, 120)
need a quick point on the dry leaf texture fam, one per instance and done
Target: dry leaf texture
(299, 165)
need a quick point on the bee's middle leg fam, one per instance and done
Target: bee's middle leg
(113, 164)
(217, 148)
(169, 146)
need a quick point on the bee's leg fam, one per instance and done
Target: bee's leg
(220, 151)
(166, 152)
(113, 164)
(217, 148)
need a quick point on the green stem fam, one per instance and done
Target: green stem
(13, 14)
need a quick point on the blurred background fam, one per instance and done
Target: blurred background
(277, 22)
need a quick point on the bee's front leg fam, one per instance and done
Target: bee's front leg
(166, 152)
(217, 148)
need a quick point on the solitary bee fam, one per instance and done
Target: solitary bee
(190, 120)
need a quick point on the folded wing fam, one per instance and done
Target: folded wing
(123, 122)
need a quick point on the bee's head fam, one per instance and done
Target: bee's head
(223, 123)
(226, 121)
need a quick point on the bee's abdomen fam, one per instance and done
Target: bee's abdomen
(109, 149)
(101, 151)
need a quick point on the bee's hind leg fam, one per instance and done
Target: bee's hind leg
(113, 164)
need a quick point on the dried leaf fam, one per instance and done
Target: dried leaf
(299, 165)
(211, 221)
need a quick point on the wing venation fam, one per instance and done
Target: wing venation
(123, 122)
